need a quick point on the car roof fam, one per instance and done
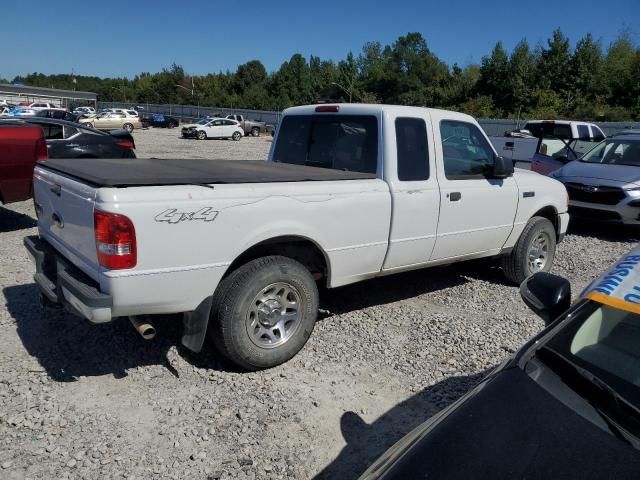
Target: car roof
(52, 121)
(375, 108)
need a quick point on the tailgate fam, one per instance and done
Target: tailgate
(65, 215)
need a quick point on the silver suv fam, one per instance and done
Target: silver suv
(604, 185)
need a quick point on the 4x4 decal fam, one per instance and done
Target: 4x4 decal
(173, 215)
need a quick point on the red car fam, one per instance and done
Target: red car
(21, 146)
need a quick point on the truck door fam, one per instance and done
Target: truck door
(476, 211)
(414, 190)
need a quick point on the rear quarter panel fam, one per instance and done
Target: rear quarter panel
(187, 236)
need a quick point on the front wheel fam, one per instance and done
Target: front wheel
(534, 251)
(128, 127)
(264, 312)
(255, 131)
(236, 136)
(202, 135)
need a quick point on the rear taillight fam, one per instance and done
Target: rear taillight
(126, 144)
(41, 149)
(115, 240)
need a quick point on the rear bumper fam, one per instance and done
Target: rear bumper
(61, 283)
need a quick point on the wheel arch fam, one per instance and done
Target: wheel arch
(550, 213)
(300, 248)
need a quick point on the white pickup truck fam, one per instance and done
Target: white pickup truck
(350, 192)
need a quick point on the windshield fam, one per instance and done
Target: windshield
(615, 151)
(203, 121)
(604, 341)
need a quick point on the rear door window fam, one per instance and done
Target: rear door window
(412, 149)
(51, 132)
(583, 132)
(340, 142)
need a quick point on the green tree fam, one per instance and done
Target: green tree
(521, 78)
(554, 68)
(494, 77)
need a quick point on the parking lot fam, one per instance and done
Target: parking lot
(85, 401)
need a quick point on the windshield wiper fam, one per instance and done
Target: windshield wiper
(607, 396)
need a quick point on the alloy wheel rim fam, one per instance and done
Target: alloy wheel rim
(274, 315)
(539, 252)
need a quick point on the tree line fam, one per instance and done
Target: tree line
(552, 80)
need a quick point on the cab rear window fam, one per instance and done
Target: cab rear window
(339, 142)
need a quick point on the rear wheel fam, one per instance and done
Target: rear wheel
(264, 312)
(255, 131)
(534, 251)
(236, 136)
(202, 135)
(128, 127)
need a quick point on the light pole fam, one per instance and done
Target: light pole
(192, 92)
(348, 92)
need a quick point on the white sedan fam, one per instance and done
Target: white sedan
(213, 128)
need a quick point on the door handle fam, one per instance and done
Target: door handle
(454, 196)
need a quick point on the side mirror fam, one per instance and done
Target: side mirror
(502, 168)
(547, 295)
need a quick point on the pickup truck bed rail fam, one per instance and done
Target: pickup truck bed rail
(144, 172)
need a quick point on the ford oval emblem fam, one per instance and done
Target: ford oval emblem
(590, 189)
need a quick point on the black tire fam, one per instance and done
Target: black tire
(236, 136)
(255, 132)
(201, 135)
(233, 301)
(518, 265)
(128, 127)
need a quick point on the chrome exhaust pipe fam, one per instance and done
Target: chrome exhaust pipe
(144, 328)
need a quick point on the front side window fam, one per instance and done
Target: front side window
(340, 142)
(412, 149)
(465, 151)
(598, 136)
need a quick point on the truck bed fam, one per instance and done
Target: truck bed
(115, 172)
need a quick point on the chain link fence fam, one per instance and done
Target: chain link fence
(188, 113)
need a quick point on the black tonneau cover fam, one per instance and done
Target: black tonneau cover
(127, 172)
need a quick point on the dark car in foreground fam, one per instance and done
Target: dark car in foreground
(566, 406)
(159, 120)
(58, 113)
(72, 140)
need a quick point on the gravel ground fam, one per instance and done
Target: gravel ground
(85, 401)
(168, 143)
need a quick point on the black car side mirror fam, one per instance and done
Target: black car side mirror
(502, 168)
(548, 295)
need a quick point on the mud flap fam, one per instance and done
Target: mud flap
(195, 326)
